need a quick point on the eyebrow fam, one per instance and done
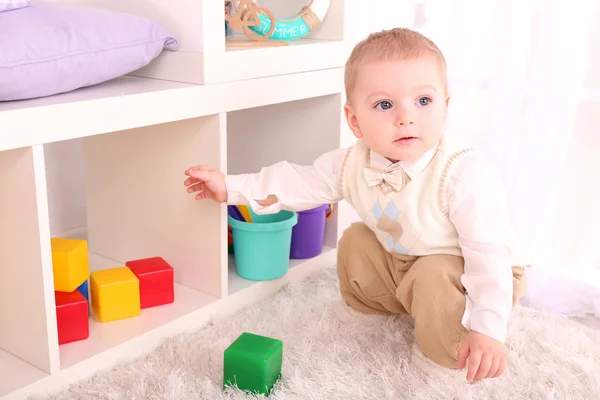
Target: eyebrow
(427, 87)
(377, 94)
(385, 94)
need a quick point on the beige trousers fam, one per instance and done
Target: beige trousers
(428, 288)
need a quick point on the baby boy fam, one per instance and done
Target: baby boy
(434, 241)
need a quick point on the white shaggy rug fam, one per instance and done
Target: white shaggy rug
(368, 358)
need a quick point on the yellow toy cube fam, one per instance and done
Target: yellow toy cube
(70, 264)
(115, 294)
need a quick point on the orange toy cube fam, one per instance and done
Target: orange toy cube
(115, 294)
(70, 264)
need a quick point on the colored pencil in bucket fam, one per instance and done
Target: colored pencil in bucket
(235, 213)
(245, 212)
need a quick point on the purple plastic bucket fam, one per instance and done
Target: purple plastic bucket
(308, 233)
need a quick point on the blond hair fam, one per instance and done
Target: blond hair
(392, 44)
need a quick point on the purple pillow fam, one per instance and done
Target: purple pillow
(7, 5)
(50, 48)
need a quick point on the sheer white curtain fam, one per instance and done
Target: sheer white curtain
(525, 83)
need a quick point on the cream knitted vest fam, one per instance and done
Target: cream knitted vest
(413, 220)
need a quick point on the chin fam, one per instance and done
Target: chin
(406, 155)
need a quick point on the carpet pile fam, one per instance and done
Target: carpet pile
(549, 357)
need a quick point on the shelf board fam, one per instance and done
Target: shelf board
(105, 336)
(131, 102)
(16, 373)
(290, 43)
(239, 284)
(28, 330)
(298, 56)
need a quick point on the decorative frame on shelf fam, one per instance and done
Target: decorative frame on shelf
(245, 14)
(259, 24)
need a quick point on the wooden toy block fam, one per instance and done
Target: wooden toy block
(71, 316)
(70, 263)
(85, 291)
(115, 294)
(156, 281)
(253, 363)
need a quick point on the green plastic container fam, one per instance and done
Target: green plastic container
(262, 247)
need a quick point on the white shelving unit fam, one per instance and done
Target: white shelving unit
(224, 107)
(204, 57)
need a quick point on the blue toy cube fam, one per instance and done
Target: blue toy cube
(253, 363)
(84, 289)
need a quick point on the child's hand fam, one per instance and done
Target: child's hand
(486, 356)
(209, 182)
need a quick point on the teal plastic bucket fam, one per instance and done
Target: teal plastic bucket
(261, 248)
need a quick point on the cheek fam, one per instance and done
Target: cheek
(368, 120)
(376, 123)
(434, 116)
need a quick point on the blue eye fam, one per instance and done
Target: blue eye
(385, 105)
(423, 101)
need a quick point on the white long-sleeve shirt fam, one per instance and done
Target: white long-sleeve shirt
(477, 209)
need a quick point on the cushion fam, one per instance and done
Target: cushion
(50, 48)
(7, 5)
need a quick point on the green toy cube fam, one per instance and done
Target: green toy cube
(253, 363)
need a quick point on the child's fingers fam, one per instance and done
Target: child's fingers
(463, 354)
(196, 168)
(501, 367)
(187, 171)
(190, 181)
(474, 362)
(196, 187)
(494, 368)
(484, 366)
(205, 194)
(200, 174)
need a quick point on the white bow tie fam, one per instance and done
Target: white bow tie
(393, 176)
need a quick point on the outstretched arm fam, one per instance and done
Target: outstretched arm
(279, 186)
(288, 186)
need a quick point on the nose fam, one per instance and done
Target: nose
(404, 117)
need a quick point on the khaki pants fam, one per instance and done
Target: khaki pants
(428, 288)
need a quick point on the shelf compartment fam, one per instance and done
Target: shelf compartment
(298, 132)
(27, 314)
(106, 336)
(137, 206)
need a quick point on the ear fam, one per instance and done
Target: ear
(446, 108)
(352, 121)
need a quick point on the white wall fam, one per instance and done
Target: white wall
(66, 191)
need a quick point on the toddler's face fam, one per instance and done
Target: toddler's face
(399, 107)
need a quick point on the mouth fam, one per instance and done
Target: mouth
(406, 139)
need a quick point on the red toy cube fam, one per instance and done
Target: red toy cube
(71, 316)
(156, 281)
